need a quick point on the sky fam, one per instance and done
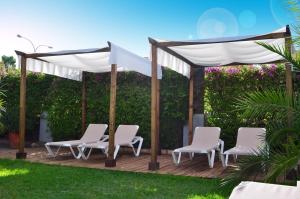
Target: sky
(77, 24)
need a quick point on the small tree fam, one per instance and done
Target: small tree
(9, 61)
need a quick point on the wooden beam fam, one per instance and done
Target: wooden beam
(245, 64)
(66, 52)
(191, 104)
(22, 120)
(154, 164)
(83, 102)
(110, 161)
(158, 119)
(276, 35)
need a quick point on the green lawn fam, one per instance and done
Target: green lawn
(21, 179)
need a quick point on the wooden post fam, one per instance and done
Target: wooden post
(199, 90)
(289, 89)
(83, 103)
(22, 120)
(153, 164)
(191, 104)
(110, 161)
(289, 77)
(158, 119)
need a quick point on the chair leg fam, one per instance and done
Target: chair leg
(192, 154)
(82, 154)
(220, 156)
(212, 159)
(139, 147)
(174, 157)
(74, 154)
(50, 152)
(81, 150)
(116, 151)
(235, 158)
(226, 160)
(209, 158)
(176, 160)
(137, 153)
(222, 160)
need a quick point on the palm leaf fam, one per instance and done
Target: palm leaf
(285, 53)
(257, 104)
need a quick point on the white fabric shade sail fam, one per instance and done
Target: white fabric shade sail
(180, 55)
(70, 64)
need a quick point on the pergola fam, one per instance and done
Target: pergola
(186, 57)
(73, 64)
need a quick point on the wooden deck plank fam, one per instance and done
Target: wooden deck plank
(126, 161)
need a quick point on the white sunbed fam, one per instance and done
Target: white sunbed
(93, 133)
(249, 142)
(125, 135)
(206, 140)
(251, 190)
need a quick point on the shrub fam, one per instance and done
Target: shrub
(37, 89)
(224, 85)
(133, 105)
(61, 98)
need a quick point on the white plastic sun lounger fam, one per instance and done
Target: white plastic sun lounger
(249, 141)
(125, 135)
(251, 190)
(206, 140)
(93, 133)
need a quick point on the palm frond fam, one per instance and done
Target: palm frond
(285, 53)
(250, 167)
(257, 104)
(283, 161)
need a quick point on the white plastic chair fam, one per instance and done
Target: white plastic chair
(206, 140)
(93, 133)
(125, 135)
(249, 142)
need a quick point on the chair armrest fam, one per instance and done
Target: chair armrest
(136, 139)
(104, 138)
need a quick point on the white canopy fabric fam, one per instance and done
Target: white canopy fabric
(71, 64)
(219, 51)
(250, 190)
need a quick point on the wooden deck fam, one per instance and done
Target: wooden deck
(127, 162)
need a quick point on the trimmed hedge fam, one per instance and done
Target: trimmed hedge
(61, 98)
(133, 105)
(224, 85)
(37, 89)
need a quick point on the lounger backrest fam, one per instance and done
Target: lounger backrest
(207, 137)
(125, 133)
(253, 138)
(94, 132)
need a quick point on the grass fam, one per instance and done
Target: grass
(21, 179)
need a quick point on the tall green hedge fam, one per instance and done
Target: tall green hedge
(37, 90)
(224, 85)
(133, 105)
(61, 98)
